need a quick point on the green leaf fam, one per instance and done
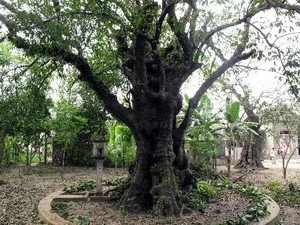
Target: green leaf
(232, 111)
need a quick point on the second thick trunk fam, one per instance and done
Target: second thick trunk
(251, 153)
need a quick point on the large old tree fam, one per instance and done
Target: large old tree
(148, 49)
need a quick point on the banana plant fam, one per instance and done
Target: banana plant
(234, 128)
(202, 138)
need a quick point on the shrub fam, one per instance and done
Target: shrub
(206, 190)
(83, 185)
(114, 181)
(276, 188)
(285, 193)
(198, 197)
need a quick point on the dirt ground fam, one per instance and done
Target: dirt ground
(21, 191)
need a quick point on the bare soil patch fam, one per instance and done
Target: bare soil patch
(21, 191)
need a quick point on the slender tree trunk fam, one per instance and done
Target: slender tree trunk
(229, 162)
(284, 173)
(285, 164)
(284, 168)
(31, 156)
(45, 148)
(63, 157)
(2, 147)
(27, 156)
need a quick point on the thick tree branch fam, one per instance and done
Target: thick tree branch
(216, 74)
(159, 25)
(86, 74)
(283, 5)
(235, 58)
(182, 37)
(8, 6)
(193, 25)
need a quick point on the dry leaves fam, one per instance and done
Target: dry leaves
(20, 194)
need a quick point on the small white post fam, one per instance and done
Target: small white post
(99, 176)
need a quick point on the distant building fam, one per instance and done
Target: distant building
(282, 139)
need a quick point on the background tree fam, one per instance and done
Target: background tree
(67, 124)
(150, 49)
(24, 106)
(253, 143)
(234, 129)
(121, 146)
(91, 110)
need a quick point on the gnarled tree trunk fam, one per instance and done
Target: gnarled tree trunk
(253, 143)
(154, 180)
(251, 153)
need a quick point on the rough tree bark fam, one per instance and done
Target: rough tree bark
(251, 152)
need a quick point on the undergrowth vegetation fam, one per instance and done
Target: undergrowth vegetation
(61, 208)
(40, 169)
(285, 193)
(81, 186)
(198, 198)
(82, 220)
(88, 185)
(256, 210)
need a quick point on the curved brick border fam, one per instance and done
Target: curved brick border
(45, 214)
(274, 211)
(44, 207)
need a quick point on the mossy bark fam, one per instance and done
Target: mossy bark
(154, 183)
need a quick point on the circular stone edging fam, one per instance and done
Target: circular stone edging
(48, 217)
(45, 214)
(274, 210)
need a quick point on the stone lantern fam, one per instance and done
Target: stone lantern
(99, 155)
